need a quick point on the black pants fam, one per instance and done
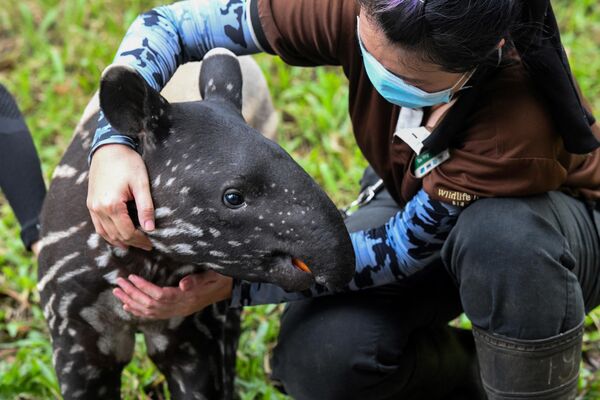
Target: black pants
(21, 178)
(525, 268)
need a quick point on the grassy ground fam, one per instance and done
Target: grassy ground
(51, 55)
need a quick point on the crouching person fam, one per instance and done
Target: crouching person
(489, 165)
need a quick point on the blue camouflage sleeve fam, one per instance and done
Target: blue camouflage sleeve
(409, 241)
(164, 38)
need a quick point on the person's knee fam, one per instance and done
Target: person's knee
(327, 351)
(513, 270)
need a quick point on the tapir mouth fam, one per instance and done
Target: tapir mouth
(290, 272)
(299, 264)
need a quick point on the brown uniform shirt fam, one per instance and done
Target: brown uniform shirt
(510, 147)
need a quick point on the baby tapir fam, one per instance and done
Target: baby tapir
(226, 198)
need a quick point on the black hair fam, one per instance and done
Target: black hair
(457, 35)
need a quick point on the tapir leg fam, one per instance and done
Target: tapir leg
(91, 346)
(197, 355)
(83, 371)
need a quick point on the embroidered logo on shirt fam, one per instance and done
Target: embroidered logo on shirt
(459, 199)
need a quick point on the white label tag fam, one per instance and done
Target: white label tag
(425, 163)
(414, 137)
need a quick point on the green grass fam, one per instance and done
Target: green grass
(51, 56)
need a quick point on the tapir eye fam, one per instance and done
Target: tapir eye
(233, 198)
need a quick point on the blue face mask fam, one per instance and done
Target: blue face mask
(395, 90)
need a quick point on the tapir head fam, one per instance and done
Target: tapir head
(225, 196)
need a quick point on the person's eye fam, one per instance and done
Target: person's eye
(233, 198)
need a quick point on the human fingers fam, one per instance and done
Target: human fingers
(156, 292)
(140, 189)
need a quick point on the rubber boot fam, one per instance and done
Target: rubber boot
(545, 369)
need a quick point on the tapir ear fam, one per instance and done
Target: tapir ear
(133, 107)
(221, 77)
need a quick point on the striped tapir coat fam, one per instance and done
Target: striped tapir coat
(197, 153)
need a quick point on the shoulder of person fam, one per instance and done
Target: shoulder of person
(512, 118)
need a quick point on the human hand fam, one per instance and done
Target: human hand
(194, 293)
(117, 175)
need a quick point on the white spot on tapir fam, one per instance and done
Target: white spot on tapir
(216, 253)
(170, 182)
(74, 273)
(55, 356)
(68, 367)
(54, 269)
(111, 277)
(93, 241)
(64, 171)
(162, 212)
(119, 252)
(177, 377)
(214, 232)
(234, 243)
(48, 312)
(185, 190)
(214, 266)
(175, 322)
(188, 349)
(159, 245)
(157, 343)
(229, 87)
(182, 228)
(183, 248)
(197, 210)
(156, 182)
(81, 178)
(91, 372)
(103, 259)
(54, 237)
(77, 348)
(175, 168)
(168, 163)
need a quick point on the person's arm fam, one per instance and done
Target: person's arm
(20, 173)
(411, 240)
(408, 242)
(164, 38)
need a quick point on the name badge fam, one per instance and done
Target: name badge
(425, 163)
(414, 137)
